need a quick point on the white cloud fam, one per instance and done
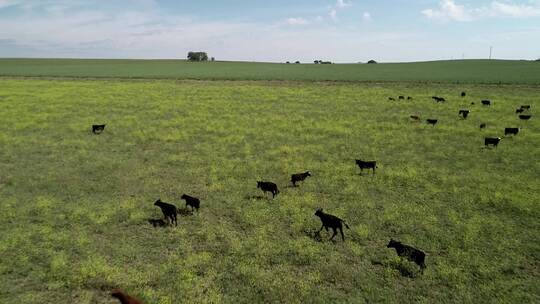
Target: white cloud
(7, 3)
(366, 16)
(342, 4)
(450, 10)
(333, 14)
(296, 21)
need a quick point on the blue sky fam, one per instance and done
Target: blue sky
(272, 30)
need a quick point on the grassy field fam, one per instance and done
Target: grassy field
(75, 205)
(456, 71)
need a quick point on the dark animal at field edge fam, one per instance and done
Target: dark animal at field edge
(512, 131)
(486, 102)
(493, 141)
(366, 165)
(124, 298)
(169, 211)
(464, 113)
(431, 121)
(415, 117)
(98, 129)
(409, 252)
(482, 126)
(268, 187)
(524, 117)
(331, 221)
(191, 201)
(299, 177)
(463, 94)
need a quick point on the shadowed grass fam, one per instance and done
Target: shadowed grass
(75, 205)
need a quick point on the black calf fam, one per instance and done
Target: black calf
(331, 221)
(366, 165)
(463, 94)
(524, 117)
(409, 252)
(97, 129)
(401, 97)
(486, 102)
(482, 126)
(169, 211)
(299, 177)
(525, 107)
(268, 187)
(191, 201)
(494, 141)
(464, 113)
(513, 131)
(432, 122)
(519, 111)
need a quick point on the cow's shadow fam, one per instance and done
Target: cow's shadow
(157, 223)
(313, 234)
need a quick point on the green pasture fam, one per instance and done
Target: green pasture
(74, 206)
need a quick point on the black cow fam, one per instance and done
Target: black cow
(486, 102)
(366, 165)
(268, 187)
(409, 98)
(519, 111)
(513, 131)
(463, 94)
(438, 99)
(409, 252)
(391, 98)
(524, 117)
(191, 201)
(331, 221)
(97, 129)
(464, 113)
(483, 125)
(401, 97)
(415, 117)
(169, 210)
(494, 141)
(299, 177)
(526, 107)
(431, 121)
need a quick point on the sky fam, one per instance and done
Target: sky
(272, 30)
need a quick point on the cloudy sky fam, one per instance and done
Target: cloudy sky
(272, 30)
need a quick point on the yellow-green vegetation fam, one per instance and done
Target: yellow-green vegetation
(74, 206)
(454, 71)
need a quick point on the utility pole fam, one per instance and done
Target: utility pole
(490, 52)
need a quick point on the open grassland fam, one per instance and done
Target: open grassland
(456, 71)
(74, 206)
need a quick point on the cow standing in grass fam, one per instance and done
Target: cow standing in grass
(299, 177)
(268, 187)
(409, 252)
(366, 165)
(331, 221)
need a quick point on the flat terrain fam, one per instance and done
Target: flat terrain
(456, 71)
(75, 205)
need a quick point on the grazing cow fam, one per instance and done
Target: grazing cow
(401, 97)
(431, 121)
(409, 98)
(331, 221)
(486, 102)
(524, 117)
(366, 165)
(169, 211)
(191, 201)
(157, 223)
(415, 117)
(391, 98)
(438, 99)
(483, 125)
(463, 94)
(124, 297)
(513, 131)
(526, 107)
(409, 252)
(464, 113)
(97, 129)
(494, 141)
(472, 103)
(268, 187)
(299, 177)
(519, 111)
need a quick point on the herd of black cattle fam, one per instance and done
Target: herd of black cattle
(335, 223)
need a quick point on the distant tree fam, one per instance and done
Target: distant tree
(372, 62)
(287, 62)
(316, 61)
(325, 62)
(538, 59)
(212, 59)
(297, 62)
(197, 56)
